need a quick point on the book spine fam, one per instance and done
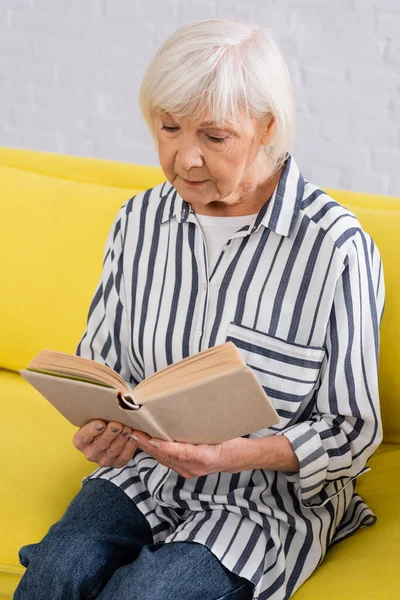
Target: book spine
(129, 401)
(152, 427)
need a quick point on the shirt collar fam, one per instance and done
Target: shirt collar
(279, 213)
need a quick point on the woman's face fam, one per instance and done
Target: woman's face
(214, 167)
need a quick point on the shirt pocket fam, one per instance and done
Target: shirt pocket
(288, 372)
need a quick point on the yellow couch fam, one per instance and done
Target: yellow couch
(55, 214)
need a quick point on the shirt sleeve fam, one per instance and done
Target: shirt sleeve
(106, 337)
(345, 427)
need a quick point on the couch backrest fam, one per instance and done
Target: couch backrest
(56, 212)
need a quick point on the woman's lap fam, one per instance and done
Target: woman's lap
(103, 547)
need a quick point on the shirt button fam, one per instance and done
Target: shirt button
(226, 247)
(205, 287)
(198, 333)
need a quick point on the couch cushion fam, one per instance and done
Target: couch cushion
(43, 472)
(384, 227)
(366, 565)
(52, 237)
(82, 169)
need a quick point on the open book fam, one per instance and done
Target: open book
(206, 398)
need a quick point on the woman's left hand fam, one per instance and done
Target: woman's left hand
(191, 460)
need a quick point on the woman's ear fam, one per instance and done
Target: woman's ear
(269, 131)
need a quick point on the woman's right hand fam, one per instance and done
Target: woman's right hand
(107, 444)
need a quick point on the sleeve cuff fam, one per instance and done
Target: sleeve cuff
(307, 445)
(313, 487)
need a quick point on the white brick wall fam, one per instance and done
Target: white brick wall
(70, 72)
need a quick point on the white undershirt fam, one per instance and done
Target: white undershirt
(218, 230)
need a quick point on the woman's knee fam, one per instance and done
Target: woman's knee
(63, 569)
(176, 570)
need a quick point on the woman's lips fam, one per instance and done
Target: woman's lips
(194, 183)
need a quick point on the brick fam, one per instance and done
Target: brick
(340, 156)
(8, 136)
(395, 109)
(20, 3)
(360, 131)
(383, 80)
(386, 160)
(301, 98)
(12, 44)
(77, 101)
(18, 69)
(392, 53)
(114, 131)
(53, 49)
(367, 181)
(155, 11)
(110, 31)
(38, 140)
(16, 93)
(114, 151)
(370, 106)
(388, 26)
(331, 23)
(316, 77)
(87, 7)
(195, 10)
(119, 80)
(113, 107)
(385, 4)
(80, 76)
(334, 4)
(58, 120)
(5, 16)
(306, 127)
(330, 101)
(7, 114)
(323, 176)
(42, 22)
(78, 146)
(331, 38)
(261, 13)
(394, 186)
(333, 129)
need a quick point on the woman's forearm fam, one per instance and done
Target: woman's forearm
(273, 452)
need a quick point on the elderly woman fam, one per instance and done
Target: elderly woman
(236, 245)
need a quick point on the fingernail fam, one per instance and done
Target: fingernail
(153, 443)
(115, 429)
(99, 427)
(124, 433)
(134, 438)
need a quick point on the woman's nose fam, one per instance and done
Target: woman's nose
(188, 157)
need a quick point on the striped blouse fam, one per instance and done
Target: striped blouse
(300, 292)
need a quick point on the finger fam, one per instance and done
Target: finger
(176, 450)
(86, 434)
(103, 441)
(117, 445)
(125, 456)
(109, 458)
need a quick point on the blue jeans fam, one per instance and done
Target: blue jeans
(103, 548)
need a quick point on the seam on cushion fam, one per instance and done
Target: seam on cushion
(86, 182)
(10, 570)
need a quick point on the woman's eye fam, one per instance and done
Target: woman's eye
(217, 140)
(169, 128)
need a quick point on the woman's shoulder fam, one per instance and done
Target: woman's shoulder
(147, 205)
(337, 223)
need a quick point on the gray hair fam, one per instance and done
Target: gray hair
(222, 66)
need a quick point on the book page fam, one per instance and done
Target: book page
(72, 366)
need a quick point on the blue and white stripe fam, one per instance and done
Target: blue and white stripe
(300, 291)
